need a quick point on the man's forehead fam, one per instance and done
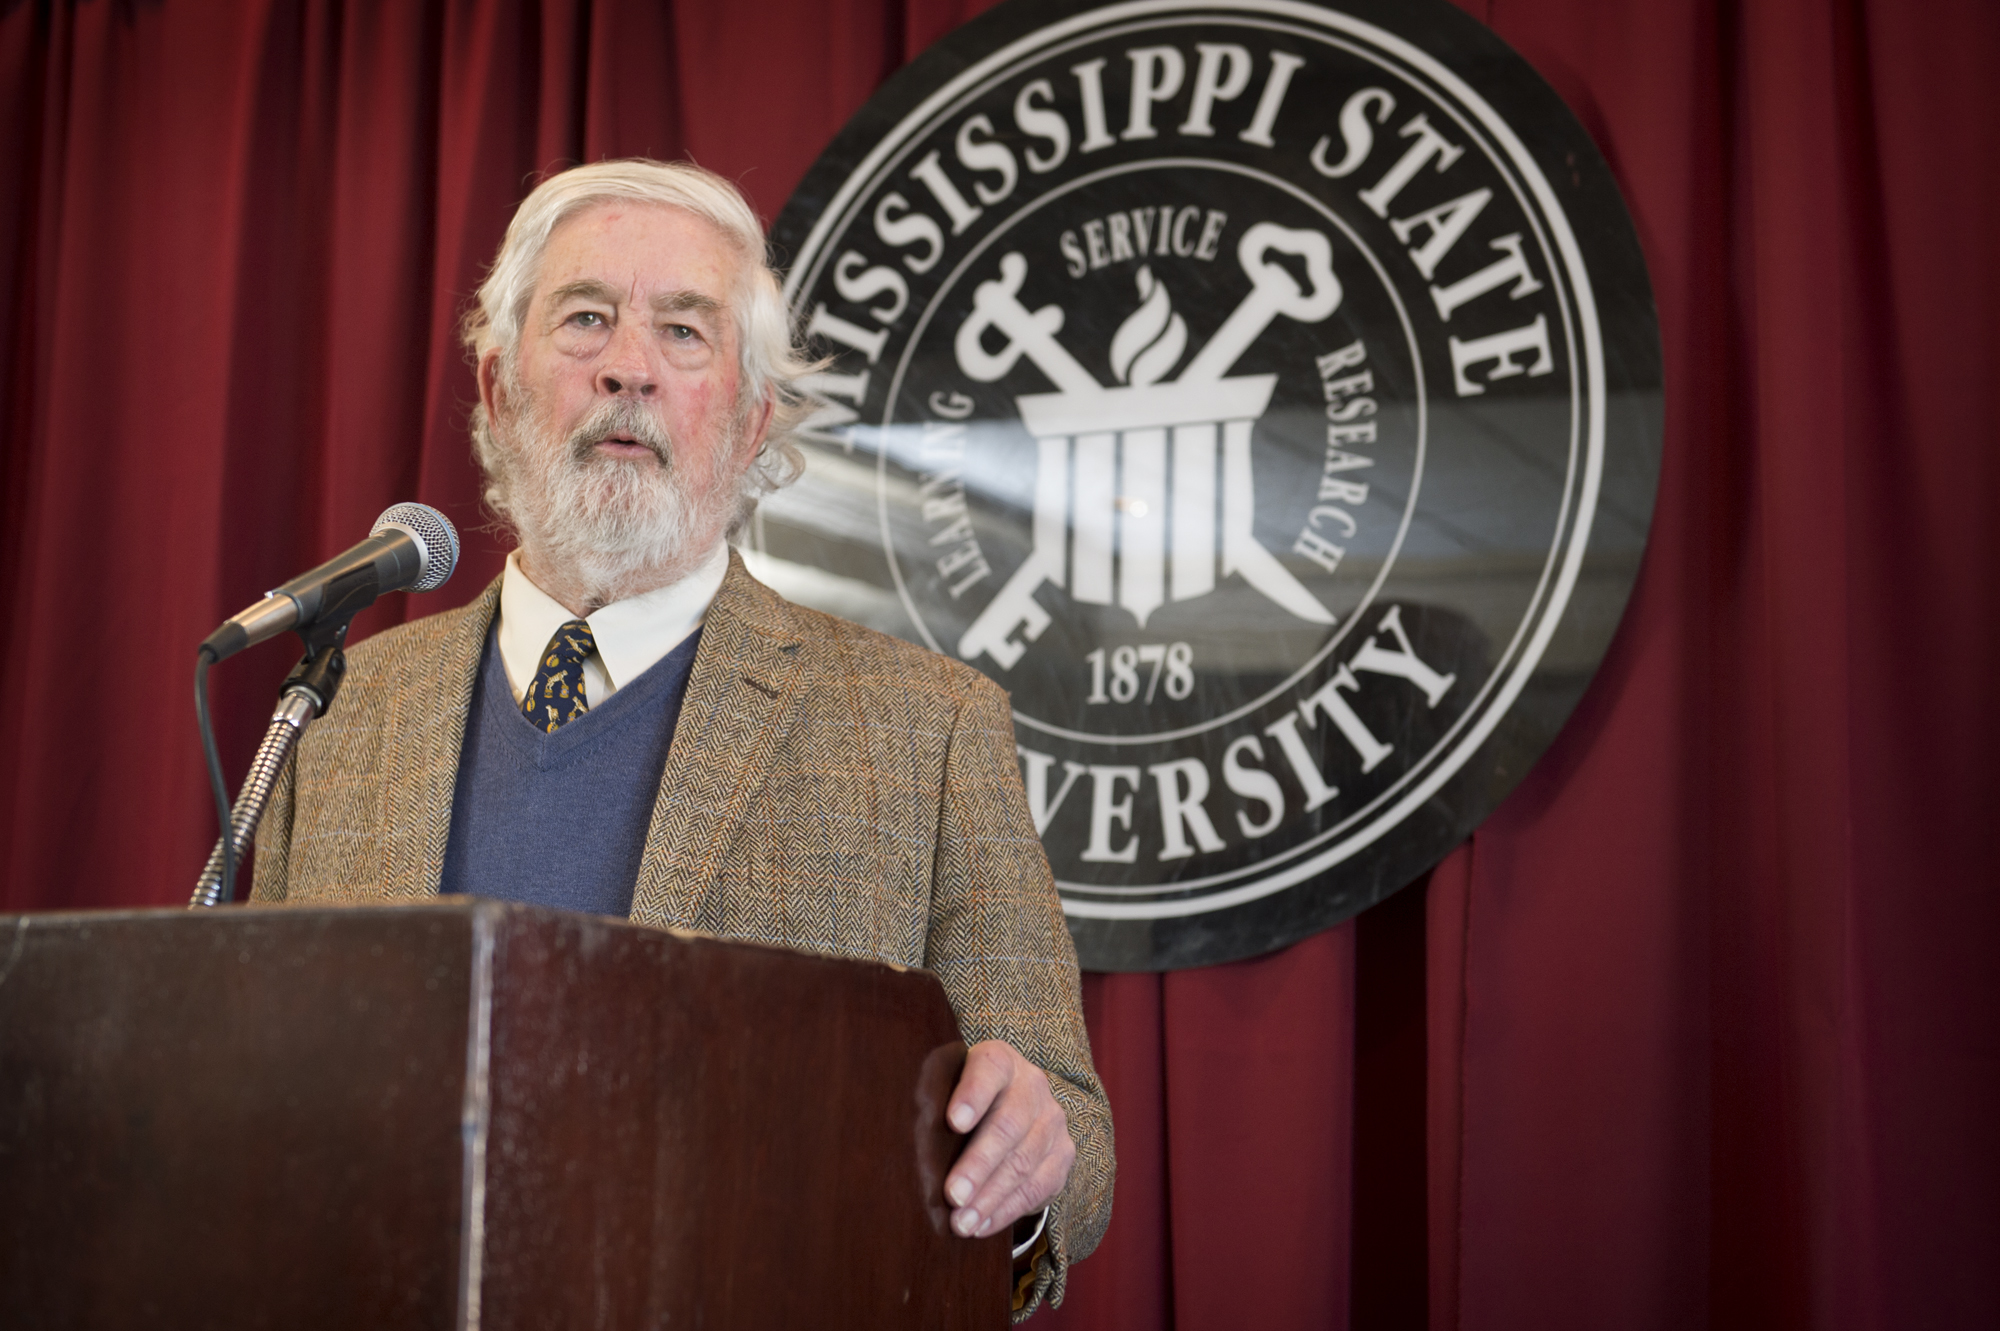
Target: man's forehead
(655, 253)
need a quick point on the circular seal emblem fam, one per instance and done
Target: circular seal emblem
(1267, 397)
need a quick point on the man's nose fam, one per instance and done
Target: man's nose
(627, 368)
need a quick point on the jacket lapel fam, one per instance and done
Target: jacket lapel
(740, 702)
(422, 743)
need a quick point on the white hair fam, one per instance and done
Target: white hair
(770, 364)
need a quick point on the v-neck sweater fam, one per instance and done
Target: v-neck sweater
(559, 818)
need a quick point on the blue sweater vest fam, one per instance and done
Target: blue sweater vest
(560, 820)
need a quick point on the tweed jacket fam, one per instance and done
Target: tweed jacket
(829, 789)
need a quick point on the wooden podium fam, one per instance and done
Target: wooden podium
(471, 1115)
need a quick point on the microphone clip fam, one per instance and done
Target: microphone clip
(319, 673)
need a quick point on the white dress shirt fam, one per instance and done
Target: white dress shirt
(631, 634)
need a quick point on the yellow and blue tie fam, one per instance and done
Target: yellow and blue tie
(555, 698)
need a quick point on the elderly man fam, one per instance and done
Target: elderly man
(627, 722)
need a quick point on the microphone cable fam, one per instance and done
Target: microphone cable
(213, 756)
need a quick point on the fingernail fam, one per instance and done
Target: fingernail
(985, 1227)
(960, 1191)
(967, 1222)
(961, 1118)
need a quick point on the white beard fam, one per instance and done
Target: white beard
(607, 527)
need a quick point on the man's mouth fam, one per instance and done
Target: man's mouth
(624, 446)
(620, 431)
(621, 445)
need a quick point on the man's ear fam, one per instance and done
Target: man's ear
(753, 440)
(489, 383)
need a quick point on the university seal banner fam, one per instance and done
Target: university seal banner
(1267, 396)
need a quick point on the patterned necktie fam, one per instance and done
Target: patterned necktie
(555, 698)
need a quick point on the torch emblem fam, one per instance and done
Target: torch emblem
(1128, 477)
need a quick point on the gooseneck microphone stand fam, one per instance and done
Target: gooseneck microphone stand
(413, 548)
(307, 693)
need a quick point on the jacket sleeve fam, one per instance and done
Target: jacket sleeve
(999, 944)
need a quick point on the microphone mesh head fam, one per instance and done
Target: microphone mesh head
(434, 535)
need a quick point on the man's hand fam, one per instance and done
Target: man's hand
(1021, 1155)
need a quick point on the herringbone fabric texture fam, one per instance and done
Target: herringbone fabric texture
(830, 789)
(554, 697)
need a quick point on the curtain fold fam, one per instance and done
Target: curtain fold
(1707, 1025)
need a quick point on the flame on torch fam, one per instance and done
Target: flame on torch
(1150, 341)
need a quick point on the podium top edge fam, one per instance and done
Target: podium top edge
(456, 906)
(482, 914)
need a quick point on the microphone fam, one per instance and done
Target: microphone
(413, 547)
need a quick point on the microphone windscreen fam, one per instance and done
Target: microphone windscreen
(434, 535)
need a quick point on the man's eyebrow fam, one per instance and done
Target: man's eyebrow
(588, 288)
(685, 301)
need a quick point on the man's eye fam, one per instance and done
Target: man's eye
(587, 319)
(681, 333)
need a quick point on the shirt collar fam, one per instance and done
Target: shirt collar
(631, 634)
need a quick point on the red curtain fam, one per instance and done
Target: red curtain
(1698, 1031)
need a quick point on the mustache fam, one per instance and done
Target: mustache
(624, 419)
